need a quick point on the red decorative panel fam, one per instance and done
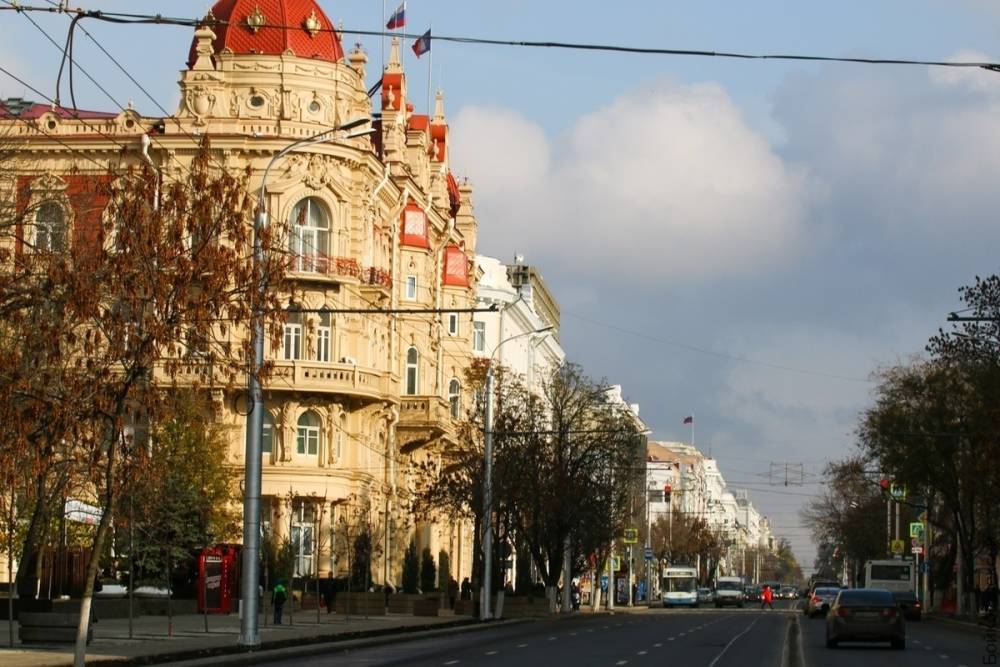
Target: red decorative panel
(456, 267)
(439, 141)
(393, 90)
(413, 230)
(454, 195)
(284, 29)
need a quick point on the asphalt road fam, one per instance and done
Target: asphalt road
(656, 637)
(927, 643)
(708, 637)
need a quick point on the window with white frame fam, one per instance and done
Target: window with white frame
(307, 436)
(292, 347)
(479, 336)
(452, 324)
(303, 530)
(50, 227)
(411, 288)
(309, 238)
(412, 376)
(323, 337)
(455, 397)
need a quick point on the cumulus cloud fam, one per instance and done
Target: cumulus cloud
(663, 182)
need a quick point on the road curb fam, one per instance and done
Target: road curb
(958, 624)
(792, 655)
(305, 646)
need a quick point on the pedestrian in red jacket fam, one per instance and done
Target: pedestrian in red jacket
(767, 597)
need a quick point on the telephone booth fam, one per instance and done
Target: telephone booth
(217, 579)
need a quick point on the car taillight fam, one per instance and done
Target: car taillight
(916, 605)
(889, 613)
(843, 612)
(815, 599)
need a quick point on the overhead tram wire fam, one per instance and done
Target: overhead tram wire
(167, 115)
(160, 19)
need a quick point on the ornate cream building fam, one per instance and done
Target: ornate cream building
(375, 223)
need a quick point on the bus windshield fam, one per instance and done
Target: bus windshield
(681, 585)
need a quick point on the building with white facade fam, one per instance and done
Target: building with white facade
(524, 304)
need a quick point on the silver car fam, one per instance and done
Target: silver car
(865, 615)
(820, 601)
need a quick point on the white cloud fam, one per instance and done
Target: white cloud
(972, 79)
(663, 182)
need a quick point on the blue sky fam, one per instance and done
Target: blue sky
(814, 219)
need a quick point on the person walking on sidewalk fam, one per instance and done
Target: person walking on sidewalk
(466, 589)
(452, 592)
(330, 593)
(767, 597)
(278, 597)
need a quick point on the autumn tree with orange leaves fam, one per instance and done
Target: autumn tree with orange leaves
(112, 317)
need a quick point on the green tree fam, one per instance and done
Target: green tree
(187, 496)
(361, 563)
(428, 571)
(411, 569)
(444, 570)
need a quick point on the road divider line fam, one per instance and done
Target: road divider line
(732, 641)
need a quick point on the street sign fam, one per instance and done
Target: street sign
(925, 567)
(897, 547)
(649, 553)
(616, 563)
(631, 536)
(916, 530)
(897, 491)
(917, 550)
(914, 542)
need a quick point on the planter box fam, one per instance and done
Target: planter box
(466, 607)
(431, 605)
(402, 603)
(50, 628)
(370, 604)
(517, 607)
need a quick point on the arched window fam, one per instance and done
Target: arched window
(412, 361)
(307, 437)
(50, 227)
(309, 237)
(455, 397)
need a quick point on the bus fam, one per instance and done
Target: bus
(679, 586)
(892, 575)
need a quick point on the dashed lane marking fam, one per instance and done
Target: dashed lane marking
(452, 662)
(657, 645)
(522, 645)
(572, 634)
(552, 639)
(492, 652)
(641, 653)
(943, 656)
(622, 662)
(670, 639)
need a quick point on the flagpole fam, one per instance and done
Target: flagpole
(692, 429)
(383, 38)
(430, 71)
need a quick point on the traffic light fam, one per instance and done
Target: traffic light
(666, 493)
(884, 485)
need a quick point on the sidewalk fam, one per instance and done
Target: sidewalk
(150, 643)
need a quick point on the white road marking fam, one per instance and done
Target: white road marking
(492, 652)
(657, 645)
(522, 645)
(552, 639)
(943, 656)
(641, 653)
(622, 662)
(572, 634)
(731, 642)
(452, 662)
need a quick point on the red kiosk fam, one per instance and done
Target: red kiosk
(218, 579)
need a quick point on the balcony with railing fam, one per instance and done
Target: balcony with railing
(429, 416)
(332, 378)
(315, 265)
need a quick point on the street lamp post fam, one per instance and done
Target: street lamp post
(249, 636)
(485, 613)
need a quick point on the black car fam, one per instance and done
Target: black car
(865, 615)
(909, 604)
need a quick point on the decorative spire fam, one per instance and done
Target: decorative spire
(203, 48)
(395, 63)
(439, 107)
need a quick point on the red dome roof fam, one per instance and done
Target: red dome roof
(271, 27)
